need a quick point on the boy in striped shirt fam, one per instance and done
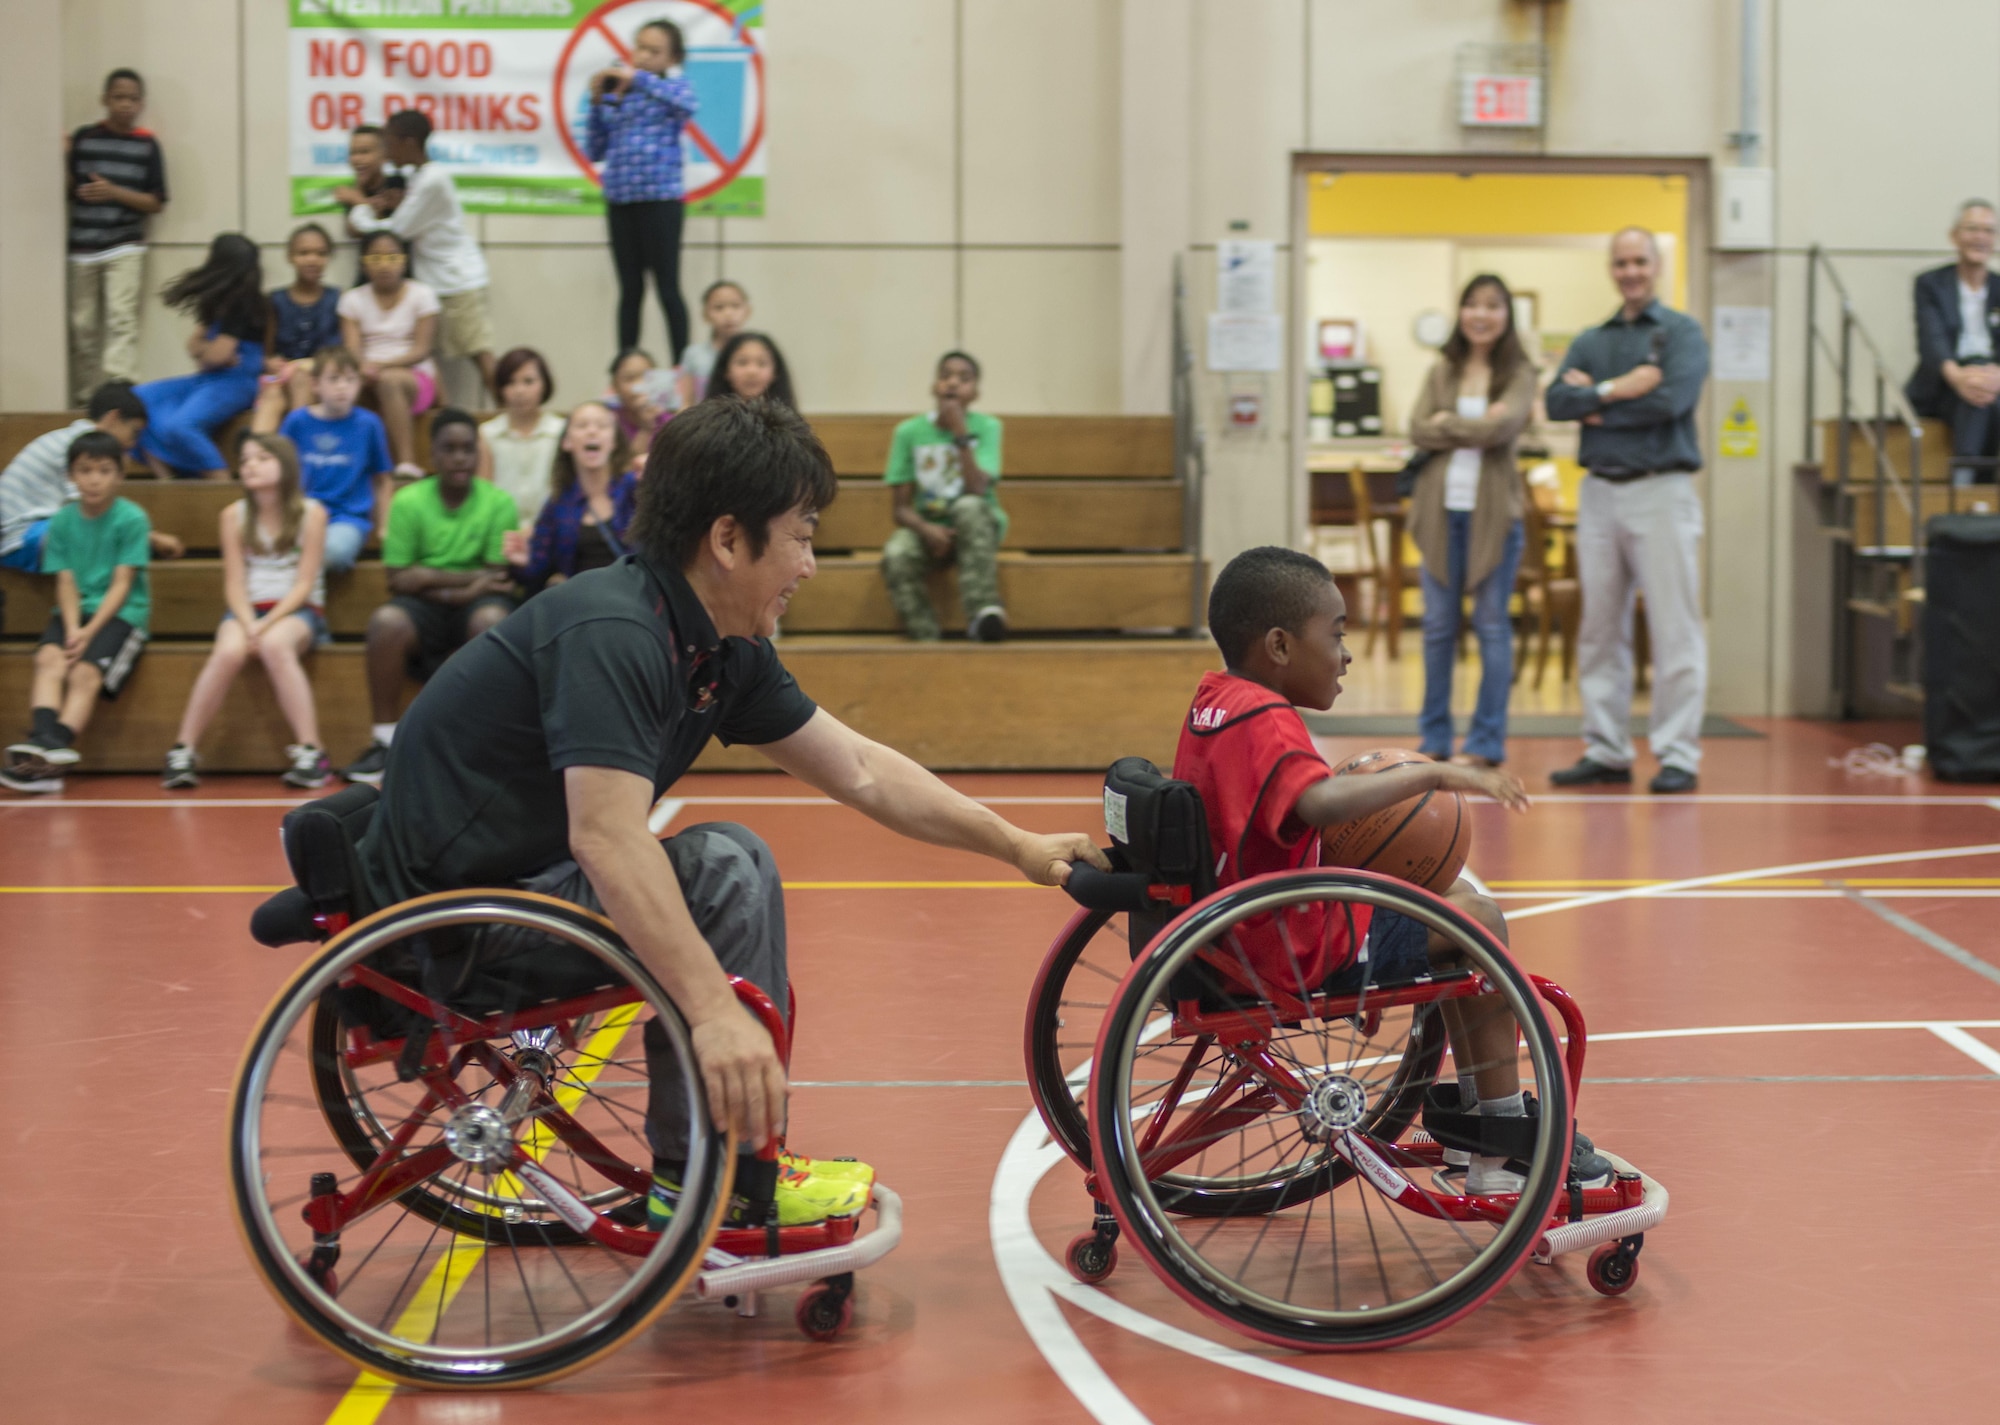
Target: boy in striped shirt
(117, 179)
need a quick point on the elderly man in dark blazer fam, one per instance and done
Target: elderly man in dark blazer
(1957, 379)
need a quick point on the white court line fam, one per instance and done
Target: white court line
(1979, 1050)
(1034, 1280)
(1761, 873)
(57, 803)
(1765, 799)
(663, 813)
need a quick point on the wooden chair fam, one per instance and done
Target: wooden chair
(1550, 603)
(1381, 531)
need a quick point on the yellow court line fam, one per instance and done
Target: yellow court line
(140, 890)
(370, 1394)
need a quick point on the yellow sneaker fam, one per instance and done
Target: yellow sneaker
(846, 1169)
(806, 1195)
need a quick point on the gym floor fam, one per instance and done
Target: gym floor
(1792, 979)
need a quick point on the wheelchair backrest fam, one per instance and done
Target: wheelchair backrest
(1159, 825)
(319, 840)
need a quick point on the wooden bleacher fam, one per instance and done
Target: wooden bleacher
(1099, 597)
(1933, 494)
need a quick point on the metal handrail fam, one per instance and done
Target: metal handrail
(1889, 402)
(1190, 450)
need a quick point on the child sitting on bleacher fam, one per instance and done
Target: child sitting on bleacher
(343, 456)
(584, 523)
(945, 470)
(36, 481)
(273, 542)
(1281, 626)
(305, 320)
(725, 306)
(445, 549)
(225, 296)
(97, 546)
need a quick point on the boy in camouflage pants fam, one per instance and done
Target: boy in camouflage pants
(945, 469)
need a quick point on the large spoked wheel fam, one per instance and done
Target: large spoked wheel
(1371, 1242)
(475, 1217)
(1071, 999)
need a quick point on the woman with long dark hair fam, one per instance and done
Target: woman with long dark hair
(750, 365)
(1465, 513)
(225, 296)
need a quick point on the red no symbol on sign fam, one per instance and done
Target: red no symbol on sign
(597, 25)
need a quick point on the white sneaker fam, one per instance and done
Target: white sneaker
(18, 779)
(179, 774)
(309, 767)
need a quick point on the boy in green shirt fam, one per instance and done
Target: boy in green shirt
(945, 470)
(97, 546)
(448, 577)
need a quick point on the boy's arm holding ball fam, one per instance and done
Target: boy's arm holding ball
(1334, 801)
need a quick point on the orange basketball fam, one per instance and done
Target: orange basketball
(1423, 840)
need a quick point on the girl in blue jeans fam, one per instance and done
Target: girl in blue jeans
(1465, 513)
(225, 296)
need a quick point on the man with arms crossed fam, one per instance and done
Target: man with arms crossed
(534, 757)
(1633, 383)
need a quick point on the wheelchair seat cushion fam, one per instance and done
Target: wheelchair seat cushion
(319, 840)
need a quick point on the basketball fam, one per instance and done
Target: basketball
(1423, 840)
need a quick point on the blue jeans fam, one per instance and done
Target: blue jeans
(343, 544)
(183, 411)
(28, 555)
(1442, 602)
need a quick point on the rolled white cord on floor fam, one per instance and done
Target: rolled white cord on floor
(864, 1251)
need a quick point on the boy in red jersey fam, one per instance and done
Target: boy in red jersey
(1281, 625)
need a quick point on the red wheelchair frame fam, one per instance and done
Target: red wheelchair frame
(1260, 1083)
(741, 1261)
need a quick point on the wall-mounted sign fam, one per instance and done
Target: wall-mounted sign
(1500, 101)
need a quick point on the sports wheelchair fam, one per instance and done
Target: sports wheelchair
(1281, 1155)
(477, 1217)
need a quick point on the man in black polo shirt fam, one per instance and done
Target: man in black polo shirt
(535, 755)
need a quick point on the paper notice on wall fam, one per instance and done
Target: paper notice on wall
(1245, 343)
(1246, 277)
(1742, 344)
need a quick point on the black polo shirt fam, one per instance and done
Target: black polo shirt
(620, 667)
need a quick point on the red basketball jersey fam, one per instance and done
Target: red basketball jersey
(1247, 751)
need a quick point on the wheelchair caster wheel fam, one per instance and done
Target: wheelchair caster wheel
(824, 1311)
(1613, 1267)
(1091, 1258)
(323, 1276)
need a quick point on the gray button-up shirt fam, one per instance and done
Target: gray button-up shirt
(1656, 431)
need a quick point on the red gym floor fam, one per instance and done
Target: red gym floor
(1823, 1117)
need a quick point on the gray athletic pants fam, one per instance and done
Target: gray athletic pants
(731, 885)
(1641, 537)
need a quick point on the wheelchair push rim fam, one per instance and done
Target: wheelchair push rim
(413, 1292)
(1066, 1008)
(1389, 1249)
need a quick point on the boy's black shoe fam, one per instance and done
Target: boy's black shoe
(369, 766)
(1587, 773)
(1672, 779)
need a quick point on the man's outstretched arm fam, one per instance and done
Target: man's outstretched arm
(884, 785)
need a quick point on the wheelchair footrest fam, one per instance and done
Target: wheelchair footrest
(1650, 1211)
(737, 1278)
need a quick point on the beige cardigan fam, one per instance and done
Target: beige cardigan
(1499, 506)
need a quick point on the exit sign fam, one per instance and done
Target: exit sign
(1500, 101)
